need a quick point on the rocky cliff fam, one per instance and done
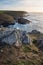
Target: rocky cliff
(6, 19)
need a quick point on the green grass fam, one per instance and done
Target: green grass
(1, 12)
(24, 63)
(15, 14)
(25, 48)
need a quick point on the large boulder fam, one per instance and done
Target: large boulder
(7, 36)
(23, 21)
(10, 36)
(13, 36)
(6, 19)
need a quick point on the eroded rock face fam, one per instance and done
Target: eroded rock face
(6, 19)
(23, 21)
(13, 36)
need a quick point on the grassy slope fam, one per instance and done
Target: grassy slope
(26, 55)
(10, 16)
(15, 14)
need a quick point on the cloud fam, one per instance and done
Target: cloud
(27, 5)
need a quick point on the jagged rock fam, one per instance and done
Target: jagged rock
(23, 21)
(35, 32)
(13, 36)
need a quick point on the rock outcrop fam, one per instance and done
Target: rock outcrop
(23, 21)
(7, 36)
(6, 19)
(13, 36)
(35, 32)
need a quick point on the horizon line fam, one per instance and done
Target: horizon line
(22, 10)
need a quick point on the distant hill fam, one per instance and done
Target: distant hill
(8, 17)
(15, 14)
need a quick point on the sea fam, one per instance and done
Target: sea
(35, 24)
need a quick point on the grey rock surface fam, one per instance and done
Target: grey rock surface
(23, 21)
(13, 36)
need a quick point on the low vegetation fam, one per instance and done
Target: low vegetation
(22, 56)
(26, 48)
(15, 14)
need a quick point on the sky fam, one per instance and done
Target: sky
(22, 5)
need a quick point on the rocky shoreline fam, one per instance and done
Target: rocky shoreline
(6, 19)
(15, 36)
(18, 47)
